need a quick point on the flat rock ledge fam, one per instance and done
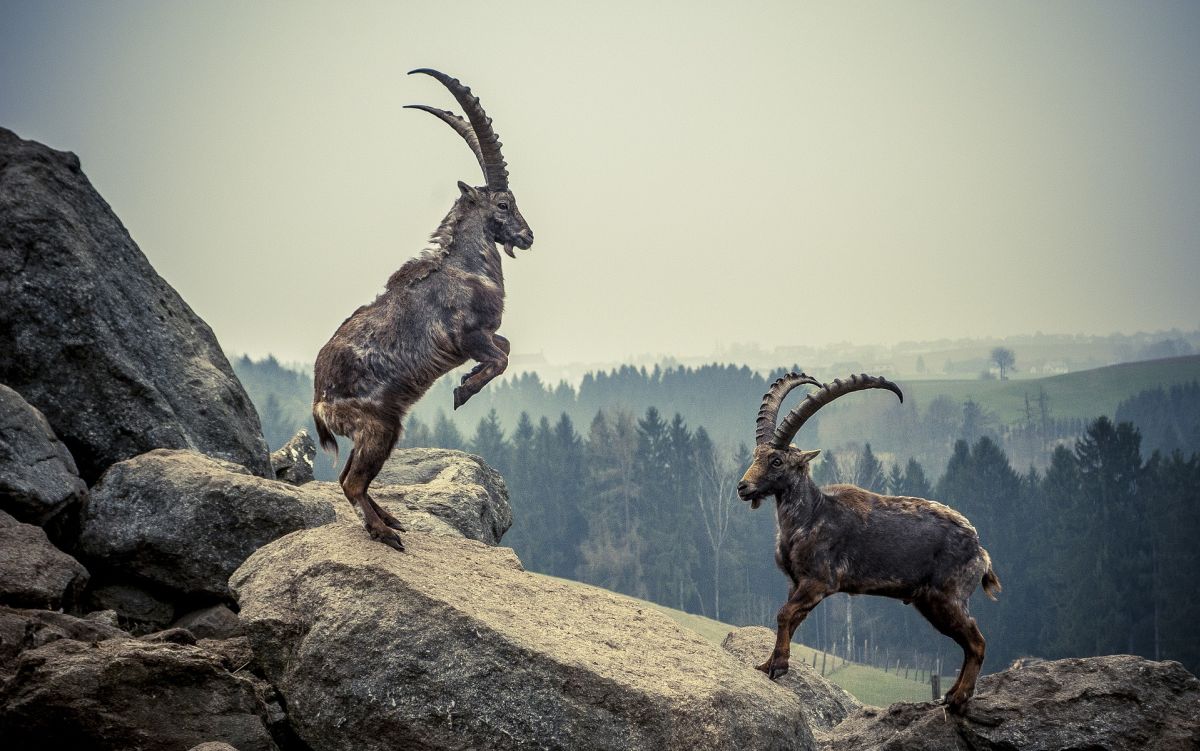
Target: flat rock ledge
(451, 645)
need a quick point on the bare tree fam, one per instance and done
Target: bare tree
(717, 499)
(1005, 360)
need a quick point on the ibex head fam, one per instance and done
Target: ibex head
(777, 464)
(495, 201)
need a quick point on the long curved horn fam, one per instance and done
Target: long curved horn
(814, 401)
(461, 126)
(769, 411)
(490, 158)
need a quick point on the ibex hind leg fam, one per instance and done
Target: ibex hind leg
(952, 618)
(373, 443)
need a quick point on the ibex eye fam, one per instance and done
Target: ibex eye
(503, 205)
(776, 462)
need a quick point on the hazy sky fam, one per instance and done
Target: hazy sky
(696, 173)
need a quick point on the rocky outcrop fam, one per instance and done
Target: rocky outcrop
(23, 629)
(183, 522)
(95, 338)
(1115, 702)
(437, 491)
(38, 478)
(34, 573)
(293, 461)
(451, 645)
(823, 703)
(451, 485)
(130, 694)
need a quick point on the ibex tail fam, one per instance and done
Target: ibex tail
(328, 442)
(991, 582)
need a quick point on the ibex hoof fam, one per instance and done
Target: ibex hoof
(461, 395)
(389, 538)
(773, 668)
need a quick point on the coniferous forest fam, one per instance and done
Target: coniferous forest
(1092, 533)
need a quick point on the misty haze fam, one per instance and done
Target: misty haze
(994, 208)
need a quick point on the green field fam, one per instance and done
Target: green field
(1086, 394)
(869, 685)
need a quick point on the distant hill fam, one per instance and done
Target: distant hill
(1085, 394)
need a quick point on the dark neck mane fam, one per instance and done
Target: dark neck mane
(459, 241)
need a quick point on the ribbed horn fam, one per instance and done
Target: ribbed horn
(461, 126)
(768, 413)
(814, 401)
(490, 158)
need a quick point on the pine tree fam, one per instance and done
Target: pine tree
(445, 433)
(488, 442)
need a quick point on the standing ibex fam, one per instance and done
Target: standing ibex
(438, 311)
(842, 538)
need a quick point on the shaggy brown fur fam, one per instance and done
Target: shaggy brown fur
(843, 538)
(438, 311)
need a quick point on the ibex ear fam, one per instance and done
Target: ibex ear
(808, 456)
(468, 191)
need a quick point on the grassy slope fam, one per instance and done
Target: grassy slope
(1085, 394)
(870, 685)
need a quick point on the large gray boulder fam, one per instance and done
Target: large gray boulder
(34, 573)
(95, 338)
(38, 478)
(452, 485)
(183, 522)
(823, 703)
(450, 645)
(130, 694)
(1110, 703)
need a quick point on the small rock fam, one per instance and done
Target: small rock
(171, 636)
(137, 610)
(34, 573)
(104, 618)
(38, 478)
(823, 703)
(213, 746)
(214, 622)
(293, 461)
(454, 486)
(234, 653)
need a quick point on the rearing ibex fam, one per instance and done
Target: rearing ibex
(842, 538)
(438, 311)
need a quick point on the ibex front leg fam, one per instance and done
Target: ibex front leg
(491, 351)
(804, 598)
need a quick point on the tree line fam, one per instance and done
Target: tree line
(1095, 550)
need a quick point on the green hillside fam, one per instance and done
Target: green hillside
(869, 685)
(1085, 394)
